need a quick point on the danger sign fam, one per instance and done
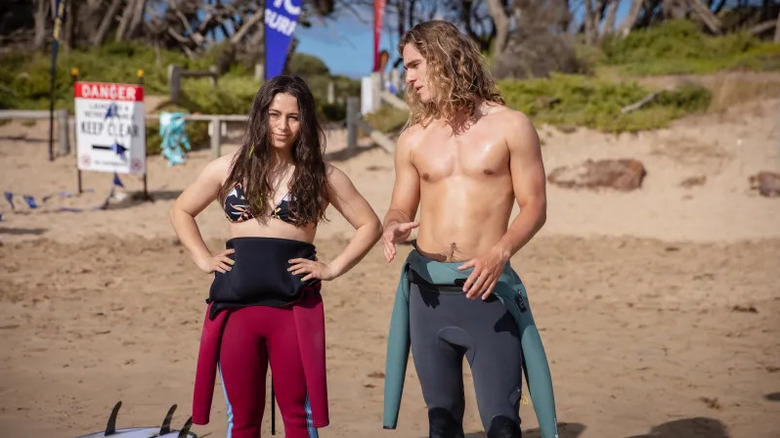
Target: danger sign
(110, 128)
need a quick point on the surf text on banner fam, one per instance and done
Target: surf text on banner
(281, 18)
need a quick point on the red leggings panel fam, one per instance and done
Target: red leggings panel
(252, 337)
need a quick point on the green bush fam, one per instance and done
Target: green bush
(595, 103)
(331, 112)
(305, 65)
(343, 88)
(387, 119)
(575, 100)
(24, 78)
(197, 133)
(679, 47)
(232, 95)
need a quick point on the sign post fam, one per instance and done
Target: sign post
(143, 119)
(110, 128)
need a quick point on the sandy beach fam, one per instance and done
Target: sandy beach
(658, 307)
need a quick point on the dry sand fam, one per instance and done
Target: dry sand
(658, 308)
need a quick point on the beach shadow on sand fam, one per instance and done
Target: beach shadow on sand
(565, 430)
(697, 427)
(22, 231)
(775, 397)
(137, 198)
(24, 138)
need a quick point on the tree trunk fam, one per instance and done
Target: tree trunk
(718, 7)
(410, 15)
(649, 13)
(71, 13)
(667, 8)
(706, 16)
(465, 17)
(401, 19)
(41, 19)
(609, 20)
(762, 27)
(258, 40)
(255, 19)
(765, 9)
(777, 29)
(138, 18)
(633, 14)
(125, 20)
(131, 19)
(590, 31)
(105, 25)
(501, 23)
(290, 51)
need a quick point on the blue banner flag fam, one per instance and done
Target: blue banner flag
(281, 18)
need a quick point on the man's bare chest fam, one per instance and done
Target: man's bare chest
(476, 153)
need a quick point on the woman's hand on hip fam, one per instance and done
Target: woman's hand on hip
(220, 262)
(311, 269)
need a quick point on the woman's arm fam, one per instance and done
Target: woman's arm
(343, 195)
(189, 204)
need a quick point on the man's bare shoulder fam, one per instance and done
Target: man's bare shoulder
(410, 137)
(501, 115)
(515, 126)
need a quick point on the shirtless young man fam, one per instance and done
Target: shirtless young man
(464, 159)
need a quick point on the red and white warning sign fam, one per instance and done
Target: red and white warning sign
(110, 128)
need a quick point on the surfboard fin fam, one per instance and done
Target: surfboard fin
(111, 425)
(185, 431)
(166, 426)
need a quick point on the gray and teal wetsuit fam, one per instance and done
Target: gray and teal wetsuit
(434, 319)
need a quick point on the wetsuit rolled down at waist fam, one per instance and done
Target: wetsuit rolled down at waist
(511, 291)
(259, 278)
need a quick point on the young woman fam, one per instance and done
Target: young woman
(265, 304)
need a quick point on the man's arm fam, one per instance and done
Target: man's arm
(399, 219)
(529, 184)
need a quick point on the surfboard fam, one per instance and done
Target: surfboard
(164, 431)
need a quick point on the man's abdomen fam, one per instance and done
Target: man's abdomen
(457, 224)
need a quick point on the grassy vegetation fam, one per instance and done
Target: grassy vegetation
(388, 119)
(26, 76)
(675, 47)
(596, 103)
(24, 82)
(574, 100)
(678, 47)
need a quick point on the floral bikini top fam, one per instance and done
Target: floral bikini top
(237, 210)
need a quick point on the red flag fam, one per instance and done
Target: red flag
(379, 18)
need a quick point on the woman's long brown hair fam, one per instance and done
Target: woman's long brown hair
(253, 166)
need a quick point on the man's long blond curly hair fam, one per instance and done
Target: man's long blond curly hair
(457, 74)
